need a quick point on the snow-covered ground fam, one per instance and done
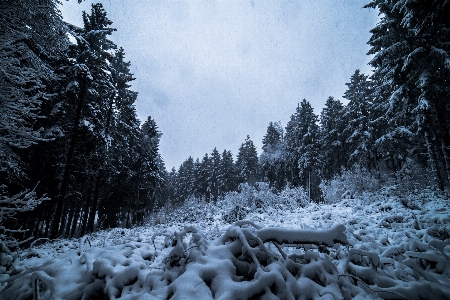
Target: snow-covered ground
(385, 249)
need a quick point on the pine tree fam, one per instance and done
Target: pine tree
(25, 60)
(198, 192)
(358, 131)
(92, 91)
(331, 139)
(247, 162)
(144, 174)
(170, 188)
(227, 173)
(302, 150)
(32, 40)
(411, 50)
(186, 180)
(272, 159)
(272, 138)
(214, 175)
(203, 175)
(394, 143)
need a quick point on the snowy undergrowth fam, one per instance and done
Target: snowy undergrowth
(378, 247)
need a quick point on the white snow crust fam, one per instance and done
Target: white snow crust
(355, 249)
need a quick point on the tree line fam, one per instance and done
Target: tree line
(70, 136)
(75, 157)
(214, 175)
(395, 125)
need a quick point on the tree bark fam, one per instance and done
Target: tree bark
(63, 220)
(446, 162)
(93, 211)
(69, 222)
(84, 220)
(75, 221)
(65, 181)
(433, 161)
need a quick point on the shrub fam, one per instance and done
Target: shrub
(352, 183)
(292, 197)
(260, 198)
(233, 206)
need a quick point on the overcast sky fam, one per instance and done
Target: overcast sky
(211, 72)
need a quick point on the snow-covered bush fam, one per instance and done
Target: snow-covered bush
(352, 183)
(232, 206)
(9, 207)
(412, 177)
(260, 198)
(23, 201)
(235, 214)
(192, 210)
(292, 197)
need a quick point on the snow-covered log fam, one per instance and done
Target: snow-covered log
(327, 237)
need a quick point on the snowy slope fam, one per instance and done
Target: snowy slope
(367, 249)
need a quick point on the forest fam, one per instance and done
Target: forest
(75, 159)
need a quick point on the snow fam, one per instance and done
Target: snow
(323, 237)
(368, 248)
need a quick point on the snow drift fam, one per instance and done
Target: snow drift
(355, 249)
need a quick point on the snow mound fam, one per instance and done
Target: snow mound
(349, 250)
(239, 265)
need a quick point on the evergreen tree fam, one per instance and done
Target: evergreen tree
(150, 172)
(92, 91)
(411, 50)
(122, 196)
(198, 192)
(170, 187)
(273, 137)
(186, 180)
(227, 173)
(203, 175)
(272, 159)
(394, 143)
(358, 132)
(71, 123)
(331, 139)
(247, 162)
(214, 175)
(302, 150)
(32, 40)
(292, 139)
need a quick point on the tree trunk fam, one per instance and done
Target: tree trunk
(65, 181)
(93, 211)
(63, 223)
(127, 224)
(84, 220)
(433, 161)
(69, 222)
(75, 221)
(446, 162)
(39, 228)
(47, 227)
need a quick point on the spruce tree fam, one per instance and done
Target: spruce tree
(331, 139)
(214, 175)
(247, 162)
(186, 180)
(92, 91)
(32, 41)
(358, 131)
(302, 153)
(203, 175)
(272, 159)
(411, 54)
(227, 173)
